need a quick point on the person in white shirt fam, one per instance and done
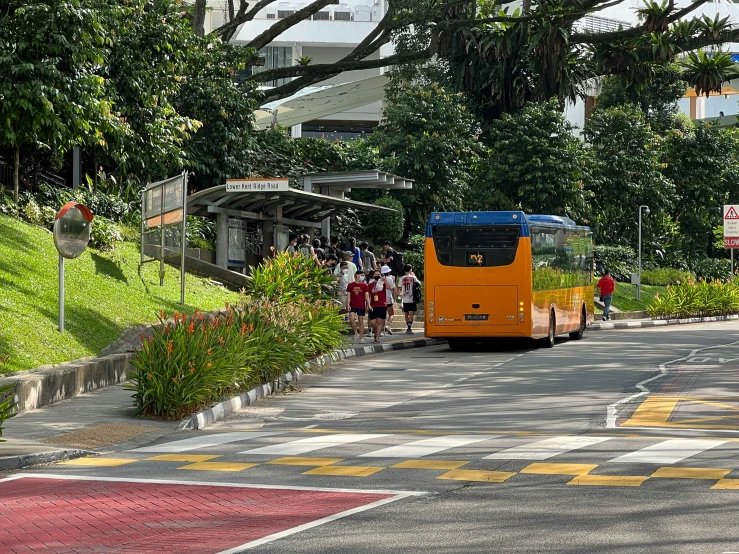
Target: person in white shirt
(406, 284)
(347, 257)
(391, 292)
(343, 284)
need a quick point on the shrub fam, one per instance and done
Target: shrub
(665, 276)
(32, 213)
(103, 234)
(286, 277)
(7, 403)
(620, 260)
(382, 226)
(712, 268)
(696, 299)
(191, 362)
(414, 254)
(129, 233)
(201, 233)
(48, 217)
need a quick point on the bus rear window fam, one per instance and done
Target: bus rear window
(489, 246)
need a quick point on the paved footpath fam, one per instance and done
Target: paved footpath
(507, 448)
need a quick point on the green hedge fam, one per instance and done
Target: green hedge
(665, 276)
(696, 299)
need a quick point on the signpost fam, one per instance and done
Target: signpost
(163, 217)
(257, 185)
(731, 230)
(71, 235)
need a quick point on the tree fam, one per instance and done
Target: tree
(703, 165)
(626, 171)
(214, 93)
(50, 94)
(534, 163)
(657, 97)
(428, 135)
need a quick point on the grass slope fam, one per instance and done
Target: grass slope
(106, 293)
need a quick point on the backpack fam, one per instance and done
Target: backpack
(396, 266)
(416, 292)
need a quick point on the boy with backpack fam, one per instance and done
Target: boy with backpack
(393, 259)
(411, 288)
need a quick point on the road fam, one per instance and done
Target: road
(626, 441)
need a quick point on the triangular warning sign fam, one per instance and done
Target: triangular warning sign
(731, 214)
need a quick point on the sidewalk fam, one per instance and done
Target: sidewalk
(100, 421)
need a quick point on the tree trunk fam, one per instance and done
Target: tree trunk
(198, 23)
(16, 174)
(526, 7)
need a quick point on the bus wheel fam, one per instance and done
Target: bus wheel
(456, 344)
(549, 341)
(577, 335)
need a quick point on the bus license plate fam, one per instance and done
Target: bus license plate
(476, 317)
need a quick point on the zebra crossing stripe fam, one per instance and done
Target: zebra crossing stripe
(301, 446)
(668, 452)
(203, 441)
(545, 449)
(426, 447)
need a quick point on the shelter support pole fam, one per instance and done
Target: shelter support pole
(326, 227)
(268, 238)
(222, 240)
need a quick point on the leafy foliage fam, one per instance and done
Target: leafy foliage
(626, 173)
(286, 278)
(430, 136)
(711, 268)
(7, 402)
(621, 261)
(103, 234)
(696, 299)
(382, 226)
(534, 164)
(665, 276)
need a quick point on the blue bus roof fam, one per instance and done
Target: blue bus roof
(498, 218)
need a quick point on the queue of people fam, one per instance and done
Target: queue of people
(367, 288)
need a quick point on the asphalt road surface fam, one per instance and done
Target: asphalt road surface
(624, 442)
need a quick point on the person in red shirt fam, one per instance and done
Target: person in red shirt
(606, 287)
(359, 303)
(378, 288)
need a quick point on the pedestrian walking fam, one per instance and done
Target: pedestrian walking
(359, 304)
(391, 258)
(390, 293)
(378, 303)
(292, 247)
(343, 286)
(347, 257)
(411, 288)
(369, 262)
(319, 251)
(305, 248)
(356, 252)
(606, 288)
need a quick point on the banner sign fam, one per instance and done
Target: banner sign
(731, 226)
(257, 185)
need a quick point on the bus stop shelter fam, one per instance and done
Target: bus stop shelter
(254, 216)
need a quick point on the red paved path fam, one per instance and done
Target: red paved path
(60, 516)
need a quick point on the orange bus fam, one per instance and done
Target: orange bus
(506, 274)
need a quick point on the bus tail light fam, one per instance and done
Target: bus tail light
(431, 312)
(520, 312)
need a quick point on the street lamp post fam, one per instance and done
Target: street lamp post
(638, 285)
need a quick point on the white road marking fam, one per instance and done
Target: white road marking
(425, 447)
(545, 449)
(612, 409)
(203, 441)
(301, 446)
(668, 452)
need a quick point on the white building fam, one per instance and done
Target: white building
(328, 36)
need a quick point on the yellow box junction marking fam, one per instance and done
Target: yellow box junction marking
(298, 461)
(656, 411)
(344, 471)
(218, 466)
(609, 480)
(559, 469)
(477, 475)
(182, 458)
(691, 473)
(429, 464)
(727, 484)
(98, 462)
